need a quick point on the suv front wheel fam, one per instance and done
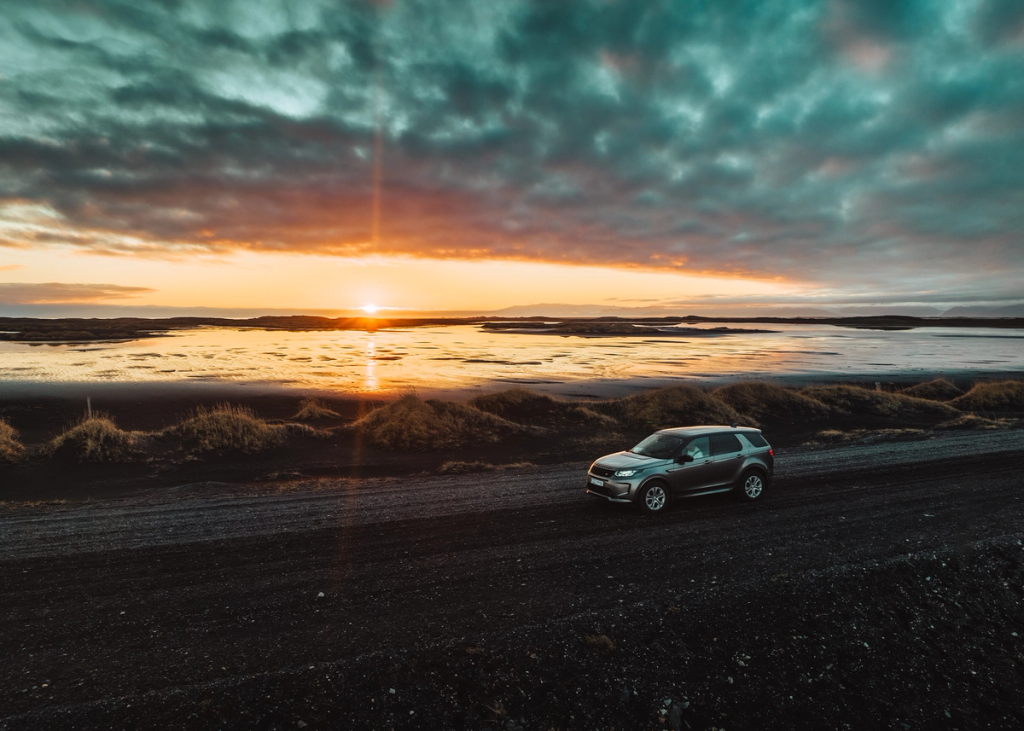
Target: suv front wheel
(653, 498)
(751, 486)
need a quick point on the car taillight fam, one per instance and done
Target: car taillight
(771, 452)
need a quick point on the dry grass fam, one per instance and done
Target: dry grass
(97, 438)
(228, 427)
(588, 414)
(940, 389)
(830, 436)
(601, 642)
(515, 404)
(312, 408)
(857, 401)
(768, 402)
(412, 425)
(864, 436)
(668, 407)
(973, 422)
(996, 396)
(524, 406)
(11, 450)
(456, 467)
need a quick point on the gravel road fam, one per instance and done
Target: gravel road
(513, 600)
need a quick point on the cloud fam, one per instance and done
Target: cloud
(17, 293)
(11, 267)
(837, 143)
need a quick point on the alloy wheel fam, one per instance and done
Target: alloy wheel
(753, 486)
(655, 498)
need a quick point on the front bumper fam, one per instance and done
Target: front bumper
(609, 498)
(615, 492)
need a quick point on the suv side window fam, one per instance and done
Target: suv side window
(698, 448)
(755, 439)
(725, 443)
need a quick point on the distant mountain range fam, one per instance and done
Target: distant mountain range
(1010, 311)
(562, 310)
(551, 309)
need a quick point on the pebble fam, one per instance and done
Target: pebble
(320, 595)
(391, 691)
(302, 724)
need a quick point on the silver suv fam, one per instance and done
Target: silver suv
(685, 462)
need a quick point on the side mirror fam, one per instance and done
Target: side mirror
(684, 458)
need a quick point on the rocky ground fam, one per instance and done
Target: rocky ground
(878, 586)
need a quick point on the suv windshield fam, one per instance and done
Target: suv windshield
(659, 446)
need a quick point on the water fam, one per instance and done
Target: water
(459, 358)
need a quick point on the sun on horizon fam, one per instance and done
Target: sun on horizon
(370, 309)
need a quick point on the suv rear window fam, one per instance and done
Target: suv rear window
(754, 438)
(725, 443)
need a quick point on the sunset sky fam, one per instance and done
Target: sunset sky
(303, 155)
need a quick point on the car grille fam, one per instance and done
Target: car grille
(602, 471)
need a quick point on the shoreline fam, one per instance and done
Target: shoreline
(66, 330)
(584, 389)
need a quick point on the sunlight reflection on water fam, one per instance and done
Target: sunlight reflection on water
(460, 357)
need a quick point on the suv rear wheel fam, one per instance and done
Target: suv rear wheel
(751, 486)
(653, 498)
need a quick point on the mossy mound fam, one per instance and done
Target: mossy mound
(413, 425)
(940, 389)
(767, 402)
(995, 396)
(670, 407)
(97, 438)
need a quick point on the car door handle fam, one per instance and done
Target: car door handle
(739, 456)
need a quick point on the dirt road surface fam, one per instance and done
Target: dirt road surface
(877, 586)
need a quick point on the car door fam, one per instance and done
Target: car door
(692, 476)
(727, 459)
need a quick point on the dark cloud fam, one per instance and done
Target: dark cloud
(842, 143)
(17, 293)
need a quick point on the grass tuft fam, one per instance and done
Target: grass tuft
(11, 450)
(312, 408)
(770, 402)
(996, 396)
(940, 389)
(601, 642)
(97, 438)
(228, 427)
(412, 425)
(668, 407)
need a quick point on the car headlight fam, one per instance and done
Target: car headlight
(626, 473)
